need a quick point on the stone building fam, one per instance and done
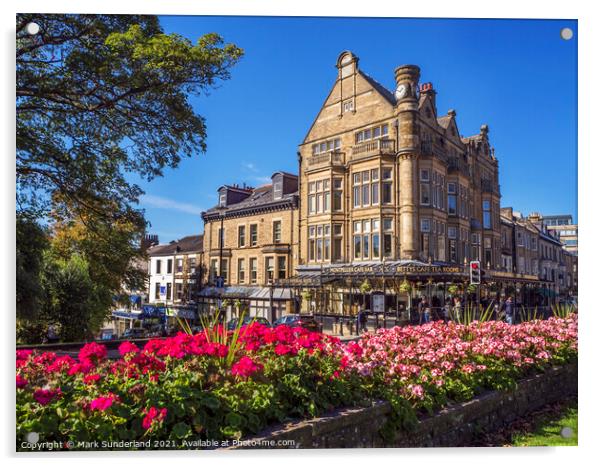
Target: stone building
(566, 230)
(251, 241)
(383, 177)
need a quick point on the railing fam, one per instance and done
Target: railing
(378, 146)
(333, 157)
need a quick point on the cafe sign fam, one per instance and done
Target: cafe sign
(395, 269)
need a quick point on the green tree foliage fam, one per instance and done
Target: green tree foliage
(32, 240)
(101, 100)
(74, 303)
(99, 96)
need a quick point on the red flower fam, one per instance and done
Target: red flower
(153, 416)
(21, 382)
(61, 364)
(46, 396)
(91, 378)
(102, 403)
(127, 347)
(281, 349)
(245, 367)
(23, 354)
(92, 353)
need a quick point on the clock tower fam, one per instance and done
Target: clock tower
(406, 95)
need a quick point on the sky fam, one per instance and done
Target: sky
(517, 76)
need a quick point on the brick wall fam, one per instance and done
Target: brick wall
(456, 425)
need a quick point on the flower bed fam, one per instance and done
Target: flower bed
(192, 387)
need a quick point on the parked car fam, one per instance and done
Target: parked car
(135, 332)
(308, 322)
(247, 320)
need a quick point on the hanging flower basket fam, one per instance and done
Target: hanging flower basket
(365, 287)
(405, 286)
(453, 289)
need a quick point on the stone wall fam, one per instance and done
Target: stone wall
(456, 425)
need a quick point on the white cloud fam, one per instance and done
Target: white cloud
(159, 202)
(250, 166)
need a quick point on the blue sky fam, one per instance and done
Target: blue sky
(518, 76)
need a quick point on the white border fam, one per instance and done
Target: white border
(589, 102)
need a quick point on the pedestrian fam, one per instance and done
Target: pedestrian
(51, 335)
(424, 311)
(509, 310)
(447, 309)
(362, 320)
(457, 311)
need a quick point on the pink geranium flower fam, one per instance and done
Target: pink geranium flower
(244, 367)
(44, 397)
(128, 348)
(102, 403)
(153, 417)
(21, 382)
(92, 353)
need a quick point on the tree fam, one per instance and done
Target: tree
(73, 302)
(101, 99)
(99, 96)
(32, 241)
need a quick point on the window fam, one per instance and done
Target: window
(281, 267)
(348, 106)
(269, 269)
(224, 270)
(425, 194)
(372, 133)
(452, 198)
(157, 290)
(158, 266)
(253, 234)
(241, 236)
(213, 269)
(241, 270)
(337, 194)
(425, 240)
(337, 242)
(179, 292)
(452, 250)
(487, 214)
(325, 146)
(278, 189)
(387, 237)
(169, 265)
(277, 231)
(179, 265)
(319, 198)
(425, 225)
(425, 175)
(387, 192)
(452, 232)
(192, 265)
(253, 269)
(168, 295)
(222, 199)
(319, 243)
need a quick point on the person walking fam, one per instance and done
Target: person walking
(447, 309)
(457, 311)
(509, 310)
(362, 320)
(424, 311)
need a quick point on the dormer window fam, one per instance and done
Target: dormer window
(222, 199)
(278, 189)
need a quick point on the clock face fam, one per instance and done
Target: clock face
(401, 91)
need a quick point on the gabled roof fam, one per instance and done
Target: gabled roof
(444, 121)
(382, 90)
(187, 244)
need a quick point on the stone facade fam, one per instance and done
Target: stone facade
(383, 177)
(456, 425)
